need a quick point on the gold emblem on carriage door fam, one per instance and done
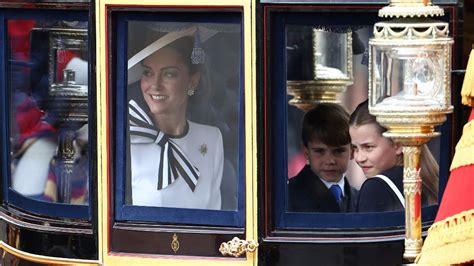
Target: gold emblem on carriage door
(203, 149)
(175, 243)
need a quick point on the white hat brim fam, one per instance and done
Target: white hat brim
(135, 69)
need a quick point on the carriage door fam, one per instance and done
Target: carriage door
(316, 53)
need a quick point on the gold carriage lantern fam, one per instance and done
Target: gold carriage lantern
(409, 92)
(68, 96)
(330, 69)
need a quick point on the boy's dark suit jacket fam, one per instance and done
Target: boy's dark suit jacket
(376, 196)
(307, 193)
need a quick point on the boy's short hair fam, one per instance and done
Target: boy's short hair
(327, 123)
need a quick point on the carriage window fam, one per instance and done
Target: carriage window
(319, 83)
(48, 87)
(183, 120)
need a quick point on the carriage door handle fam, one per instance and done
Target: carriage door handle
(237, 247)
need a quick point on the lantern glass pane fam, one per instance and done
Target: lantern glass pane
(409, 76)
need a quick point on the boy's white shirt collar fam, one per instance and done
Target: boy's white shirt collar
(340, 183)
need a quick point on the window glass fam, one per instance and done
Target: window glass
(183, 141)
(177, 127)
(48, 83)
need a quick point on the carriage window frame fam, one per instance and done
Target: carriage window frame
(178, 216)
(10, 196)
(322, 226)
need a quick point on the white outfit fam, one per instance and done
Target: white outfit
(203, 147)
(31, 172)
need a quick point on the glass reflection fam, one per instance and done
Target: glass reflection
(330, 55)
(415, 77)
(48, 73)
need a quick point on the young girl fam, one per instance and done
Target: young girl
(381, 159)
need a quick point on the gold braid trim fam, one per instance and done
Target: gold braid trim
(449, 241)
(465, 147)
(467, 91)
(468, 100)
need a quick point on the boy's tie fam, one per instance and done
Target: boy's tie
(336, 192)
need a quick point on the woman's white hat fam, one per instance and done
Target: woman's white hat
(135, 69)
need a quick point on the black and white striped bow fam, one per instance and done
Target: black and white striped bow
(173, 162)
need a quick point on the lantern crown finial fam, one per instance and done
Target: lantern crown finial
(411, 8)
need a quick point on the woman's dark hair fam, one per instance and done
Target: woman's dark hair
(327, 123)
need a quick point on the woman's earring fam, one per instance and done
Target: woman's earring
(190, 91)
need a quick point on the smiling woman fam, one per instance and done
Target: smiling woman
(174, 162)
(167, 81)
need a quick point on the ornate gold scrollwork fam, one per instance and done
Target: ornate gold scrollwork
(175, 243)
(237, 247)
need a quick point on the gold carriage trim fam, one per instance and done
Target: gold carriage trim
(45, 259)
(450, 241)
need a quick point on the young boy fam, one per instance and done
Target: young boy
(321, 185)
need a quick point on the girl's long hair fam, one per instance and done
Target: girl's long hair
(429, 166)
